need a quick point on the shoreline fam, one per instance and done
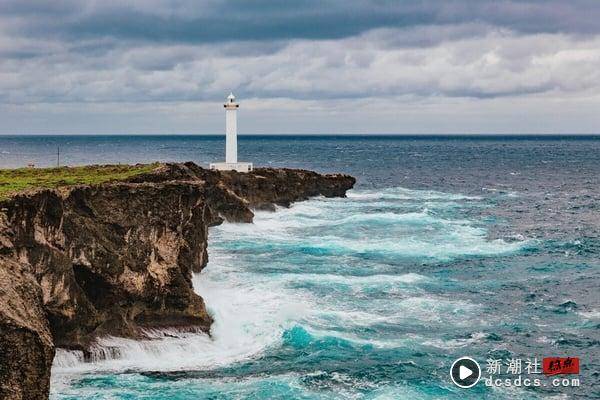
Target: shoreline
(117, 258)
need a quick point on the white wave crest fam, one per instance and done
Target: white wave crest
(253, 309)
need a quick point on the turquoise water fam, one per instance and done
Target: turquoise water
(447, 247)
(317, 301)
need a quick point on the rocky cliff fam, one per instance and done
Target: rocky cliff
(115, 258)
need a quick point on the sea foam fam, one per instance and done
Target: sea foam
(277, 283)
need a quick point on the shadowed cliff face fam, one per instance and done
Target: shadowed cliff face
(115, 258)
(26, 349)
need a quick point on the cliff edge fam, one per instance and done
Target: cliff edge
(78, 262)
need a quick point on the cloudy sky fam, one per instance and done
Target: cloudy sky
(302, 66)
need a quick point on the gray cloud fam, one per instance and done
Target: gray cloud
(496, 63)
(307, 52)
(234, 20)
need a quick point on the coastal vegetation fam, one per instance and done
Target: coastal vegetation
(15, 180)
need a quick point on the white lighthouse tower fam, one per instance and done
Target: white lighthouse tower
(231, 162)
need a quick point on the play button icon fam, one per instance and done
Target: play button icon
(465, 372)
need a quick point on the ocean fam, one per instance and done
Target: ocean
(448, 246)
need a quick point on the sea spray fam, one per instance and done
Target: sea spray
(329, 277)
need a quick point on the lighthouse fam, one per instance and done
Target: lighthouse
(231, 129)
(231, 162)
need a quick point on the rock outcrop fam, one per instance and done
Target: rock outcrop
(117, 258)
(263, 188)
(26, 349)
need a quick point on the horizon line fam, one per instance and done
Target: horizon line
(305, 134)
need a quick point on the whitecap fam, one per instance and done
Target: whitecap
(400, 193)
(591, 314)
(252, 310)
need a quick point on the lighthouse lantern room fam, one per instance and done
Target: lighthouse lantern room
(231, 163)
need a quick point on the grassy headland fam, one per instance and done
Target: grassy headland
(15, 180)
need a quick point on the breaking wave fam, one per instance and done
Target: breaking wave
(329, 275)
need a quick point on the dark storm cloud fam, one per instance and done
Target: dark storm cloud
(234, 20)
(102, 51)
(37, 7)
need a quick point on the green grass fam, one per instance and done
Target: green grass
(15, 180)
